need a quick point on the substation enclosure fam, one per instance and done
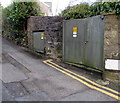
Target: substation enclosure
(39, 41)
(83, 42)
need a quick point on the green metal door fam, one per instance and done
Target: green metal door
(73, 46)
(87, 46)
(94, 42)
(38, 41)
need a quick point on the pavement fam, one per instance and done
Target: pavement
(26, 78)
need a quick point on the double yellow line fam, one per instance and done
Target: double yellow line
(85, 81)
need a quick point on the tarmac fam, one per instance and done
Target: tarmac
(26, 77)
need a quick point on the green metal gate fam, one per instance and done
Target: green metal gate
(83, 41)
(38, 41)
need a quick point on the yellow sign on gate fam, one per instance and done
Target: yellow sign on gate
(42, 36)
(74, 30)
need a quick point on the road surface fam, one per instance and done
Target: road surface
(26, 78)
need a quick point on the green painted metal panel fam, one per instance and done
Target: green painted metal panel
(87, 47)
(38, 41)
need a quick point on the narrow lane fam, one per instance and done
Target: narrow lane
(41, 82)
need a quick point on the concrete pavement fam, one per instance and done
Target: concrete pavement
(26, 78)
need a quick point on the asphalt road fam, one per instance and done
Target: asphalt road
(26, 78)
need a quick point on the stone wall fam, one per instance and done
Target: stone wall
(53, 34)
(52, 27)
(111, 37)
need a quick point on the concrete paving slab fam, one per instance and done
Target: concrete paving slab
(41, 96)
(11, 74)
(88, 95)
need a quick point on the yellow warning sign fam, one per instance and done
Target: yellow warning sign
(74, 30)
(42, 36)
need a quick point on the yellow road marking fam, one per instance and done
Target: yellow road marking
(83, 82)
(86, 79)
